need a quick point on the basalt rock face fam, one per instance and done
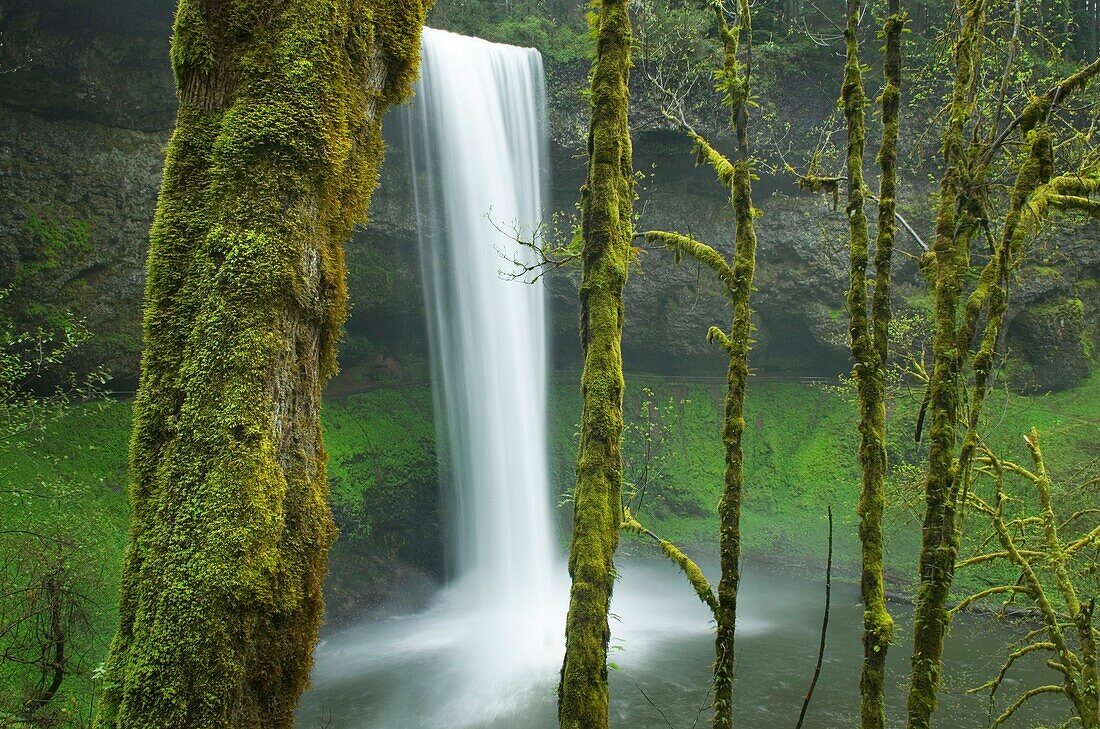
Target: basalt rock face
(87, 102)
(1055, 328)
(89, 60)
(86, 99)
(58, 178)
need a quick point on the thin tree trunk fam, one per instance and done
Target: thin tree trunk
(53, 667)
(939, 537)
(870, 344)
(276, 150)
(607, 227)
(737, 73)
(824, 629)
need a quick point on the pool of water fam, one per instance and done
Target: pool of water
(424, 671)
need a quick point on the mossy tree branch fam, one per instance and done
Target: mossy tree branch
(1077, 664)
(682, 245)
(687, 565)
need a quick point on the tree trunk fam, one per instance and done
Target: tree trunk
(276, 151)
(870, 343)
(737, 70)
(607, 227)
(954, 225)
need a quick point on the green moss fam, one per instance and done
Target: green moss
(276, 151)
(1071, 311)
(382, 465)
(607, 199)
(801, 458)
(75, 473)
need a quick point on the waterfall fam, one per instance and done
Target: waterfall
(487, 652)
(477, 135)
(478, 140)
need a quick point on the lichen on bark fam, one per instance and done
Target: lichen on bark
(275, 153)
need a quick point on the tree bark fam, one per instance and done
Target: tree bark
(954, 225)
(607, 227)
(275, 153)
(870, 342)
(737, 74)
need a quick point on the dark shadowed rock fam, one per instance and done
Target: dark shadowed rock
(87, 101)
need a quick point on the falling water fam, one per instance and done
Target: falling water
(476, 134)
(478, 139)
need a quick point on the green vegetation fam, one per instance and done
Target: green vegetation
(800, 460)
(381, 464)
(559, 33)
(63, 497)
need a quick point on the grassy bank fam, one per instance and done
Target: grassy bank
(800, 459)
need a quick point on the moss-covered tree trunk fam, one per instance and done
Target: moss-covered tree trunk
(276, 150)
(607, 200)
(870, 341)
(733, 82)
(737, 72)
(950, 257)
(961, 212)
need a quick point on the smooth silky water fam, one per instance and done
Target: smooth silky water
(487, 651)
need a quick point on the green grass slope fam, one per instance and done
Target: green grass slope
(800, 459)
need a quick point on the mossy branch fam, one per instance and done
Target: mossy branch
(1038, 109)
(716, 336)
(1017, 654)
(939, 530)
(687, 565)
(682, 245)
(607, 231)
(1024, 698)
(1055, 550)
(989, 592)
(991, 556)
(717, 161)
(1077, 665)
(827, 185)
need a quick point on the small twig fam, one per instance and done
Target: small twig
(655, 707)
(702, 707)
(824, 626)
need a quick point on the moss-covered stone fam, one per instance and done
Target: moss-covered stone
(1049, 346)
